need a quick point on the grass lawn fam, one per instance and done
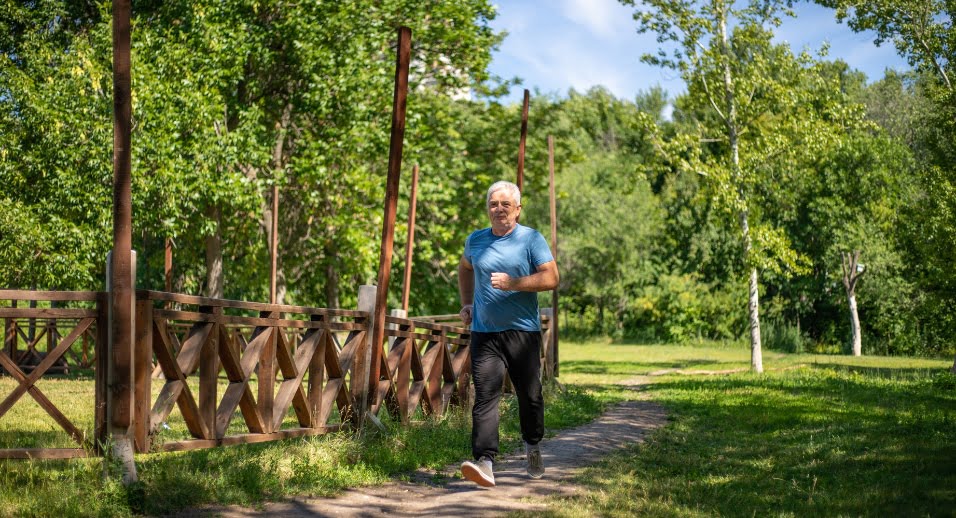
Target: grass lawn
(814, 435)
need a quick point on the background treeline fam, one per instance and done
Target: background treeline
(232, 97)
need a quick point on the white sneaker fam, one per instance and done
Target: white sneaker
(535, 464)
(480, 472)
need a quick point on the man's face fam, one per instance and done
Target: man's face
(503, 211)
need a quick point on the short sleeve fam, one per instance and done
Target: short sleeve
(467, 252)
(540, 252)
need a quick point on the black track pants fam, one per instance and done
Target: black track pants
(492, 354)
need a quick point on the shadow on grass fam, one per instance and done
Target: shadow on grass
(820, 442)
(635, 368)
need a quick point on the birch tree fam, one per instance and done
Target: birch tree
(852, 271)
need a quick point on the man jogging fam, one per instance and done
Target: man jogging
(500, 273)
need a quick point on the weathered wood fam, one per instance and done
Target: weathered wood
(402, 58)
(27, 382)
(60, 296)
(195, 300)
(274, 245)
(267, 377)
(142, 374)
(193, 316)
(209, 374)
(100, 415)
(52, 313)
(175, 390)
(44, 453)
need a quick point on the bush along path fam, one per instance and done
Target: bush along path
(446, 494)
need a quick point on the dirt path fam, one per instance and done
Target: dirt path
(446, 494)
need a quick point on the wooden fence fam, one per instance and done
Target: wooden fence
(237, 372)
(76, 323)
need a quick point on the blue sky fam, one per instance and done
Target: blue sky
(560, 44)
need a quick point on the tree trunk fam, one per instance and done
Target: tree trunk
(852, 271)
(280, 286)
(855, 326)
(331, 284)
(214, 273)
(733, 134)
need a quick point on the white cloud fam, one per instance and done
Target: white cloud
(607, 19)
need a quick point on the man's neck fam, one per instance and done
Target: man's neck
(503, 232)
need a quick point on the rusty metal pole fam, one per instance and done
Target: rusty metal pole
(121, 292)
(274, 246)
(524, 136)
(554, 252)
(391, 203)
(410, 242)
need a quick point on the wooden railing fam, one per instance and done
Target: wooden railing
(28, 365)
(292, 354)
(424, 365)
(209, 372)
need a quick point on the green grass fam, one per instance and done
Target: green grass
(831, 436)
(814, 435)
(247, 474)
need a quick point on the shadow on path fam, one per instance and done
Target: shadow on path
(428, 494)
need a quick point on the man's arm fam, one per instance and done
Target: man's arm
(466, 289)
(545, 278)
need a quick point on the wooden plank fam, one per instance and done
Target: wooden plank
(44, 453)
(176, 389)
(317, 377)
(142, 374)
(253, 306)
(267, 365)
(59, 296)
(190, 354)
(27, 382)
(291, 389)
(41, 399)
(57, 313)
(192, 316)
(100, 346)
(209, 376)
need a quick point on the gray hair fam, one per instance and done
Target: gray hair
(504, 186)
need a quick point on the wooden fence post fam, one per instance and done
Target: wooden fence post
(120, 405)
(10, 336)
(142, 373)
(362, 363)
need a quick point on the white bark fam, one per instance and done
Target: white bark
(733, 134)
(855, 326)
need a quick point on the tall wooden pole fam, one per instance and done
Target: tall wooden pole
(524, 136)
(391, 203)
(121, 299)
(410, 242)
(274, 246)
(554, 250)
(120, 405)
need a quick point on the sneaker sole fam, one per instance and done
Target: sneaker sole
(536, 475)
(472, 473)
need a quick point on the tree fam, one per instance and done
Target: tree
(742, 82)
(922, 31)
(852, 271)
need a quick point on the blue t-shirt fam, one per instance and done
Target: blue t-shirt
(518, 254)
